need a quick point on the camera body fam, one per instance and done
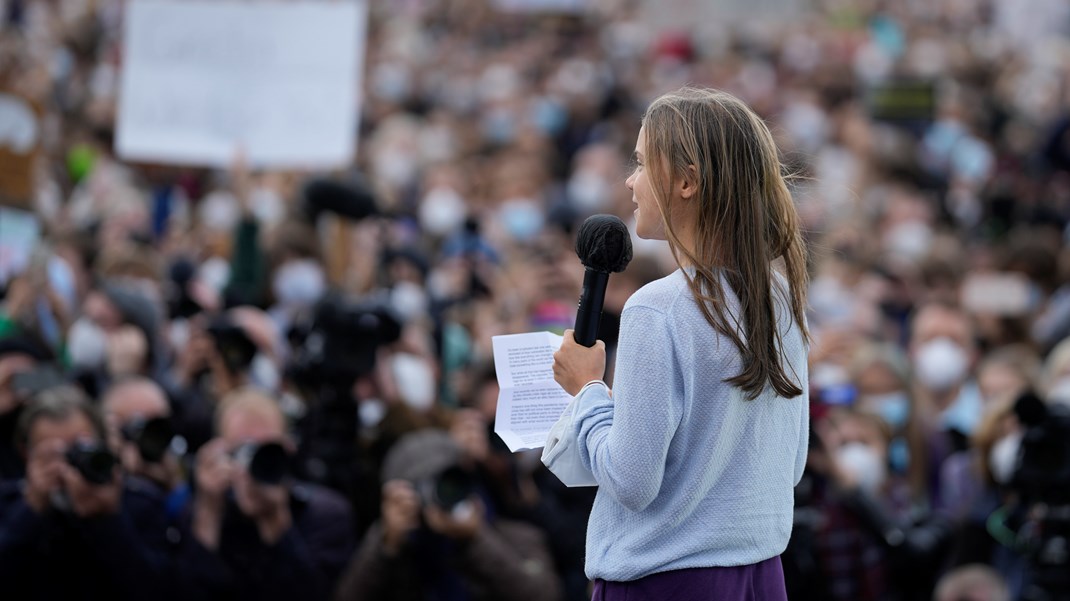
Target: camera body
(152, 437)
(235, 347)
(267, 463)
(449, 490)
(93, 461)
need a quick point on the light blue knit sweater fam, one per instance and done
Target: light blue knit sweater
(690, 473)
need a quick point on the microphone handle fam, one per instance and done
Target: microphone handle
(589, 312)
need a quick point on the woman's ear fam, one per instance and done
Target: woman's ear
(688, 184)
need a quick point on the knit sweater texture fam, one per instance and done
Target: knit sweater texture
(690, 473)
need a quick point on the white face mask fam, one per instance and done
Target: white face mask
(87, 344)
(893, 407)
(299, 282)
(909, 241)
(1003, 458)
(215, 273)
(522, 218)
(863, 464)
(588, 191)
(219, 211)
(371, 412)
(441, 211)
(415, 380)
(409, 300)
(941, 364)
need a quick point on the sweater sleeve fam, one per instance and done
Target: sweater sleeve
(624, 440)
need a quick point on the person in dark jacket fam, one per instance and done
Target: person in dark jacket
(70, 532)
(256, 533)
(429, 546)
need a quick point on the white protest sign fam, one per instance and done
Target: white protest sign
(279, 80)
(542, 6)
(713, 15)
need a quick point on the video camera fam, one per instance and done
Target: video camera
(1042, 478)
(93, 461)
(333, 350)
(340, 344)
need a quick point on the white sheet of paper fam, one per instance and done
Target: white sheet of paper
(530, 400)
(279, 80)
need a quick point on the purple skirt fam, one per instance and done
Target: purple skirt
(762, 581)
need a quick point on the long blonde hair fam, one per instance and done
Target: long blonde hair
(745, 221)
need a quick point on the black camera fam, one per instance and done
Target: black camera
(267, 463)
(448, 489)
(235, 347)
(152, 437)
(340, 343)
(93, 461)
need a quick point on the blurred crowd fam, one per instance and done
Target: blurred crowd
(239, 383)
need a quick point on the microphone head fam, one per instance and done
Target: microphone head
(604, 244)
(350, 199)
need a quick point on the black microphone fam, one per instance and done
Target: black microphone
(352, 199)
(604, 246)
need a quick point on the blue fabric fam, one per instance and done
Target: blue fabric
(690, 473)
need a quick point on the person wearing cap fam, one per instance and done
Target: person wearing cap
(428, 546)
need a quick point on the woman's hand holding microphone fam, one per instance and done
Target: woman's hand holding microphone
(575, 365)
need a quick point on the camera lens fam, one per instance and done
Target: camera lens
(453, 486)
(94, 462)
(267, 463)
(154, 439)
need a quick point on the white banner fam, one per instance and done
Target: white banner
(543, 6)
(278, 80)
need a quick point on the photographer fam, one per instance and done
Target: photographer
(256, 533)
(439, 538)
(67, 530)
(235, 349)
(139, 418)
(22, 362)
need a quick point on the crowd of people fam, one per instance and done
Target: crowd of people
(241, 383)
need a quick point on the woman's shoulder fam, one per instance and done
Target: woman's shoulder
(659, 295)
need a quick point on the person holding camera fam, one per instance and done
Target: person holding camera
(139, 417)
(23, 362)
(256, 533)
(231, 350)
(439, 538)
(67, 531)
